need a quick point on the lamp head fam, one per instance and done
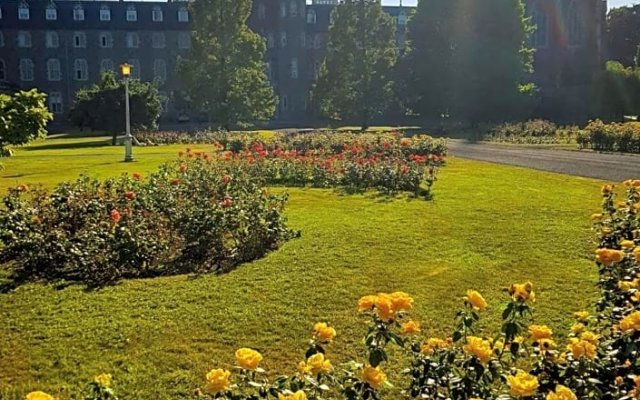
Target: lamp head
(126, 70)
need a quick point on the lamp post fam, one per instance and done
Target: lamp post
(128, 140)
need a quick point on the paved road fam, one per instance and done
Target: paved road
(610, 167)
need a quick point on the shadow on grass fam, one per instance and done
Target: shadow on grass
(69, 146)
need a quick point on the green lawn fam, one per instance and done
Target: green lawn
(487, 226)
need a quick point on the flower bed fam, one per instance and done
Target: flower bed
(524, 360)
(532, 132)
(389, 163)
(187, 217)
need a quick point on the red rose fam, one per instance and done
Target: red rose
(227, 202)
(226, 179)
(130, 195)
(115, 216)
(175, 181)
(183, 168)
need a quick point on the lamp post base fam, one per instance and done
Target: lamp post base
(128, 151)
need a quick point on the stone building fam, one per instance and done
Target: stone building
(59, 46)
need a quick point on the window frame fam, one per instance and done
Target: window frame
(50, 63)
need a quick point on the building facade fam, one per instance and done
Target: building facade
(59, 46)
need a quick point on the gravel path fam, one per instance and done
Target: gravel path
(609, 167)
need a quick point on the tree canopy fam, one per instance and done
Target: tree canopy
(102, 106)
(355, 83)
(23, 118)
(623, 34)
(225, 73)
(468, 60)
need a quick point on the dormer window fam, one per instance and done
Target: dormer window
(78, 13)
(156, 14)
(50, 13)
(105, 14)
(183, 15)
(132, 14)
(23, 12)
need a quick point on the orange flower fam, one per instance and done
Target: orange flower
(226, 179)
(183, 168)
(366, 303)
(130, 195)
(227, 202)
(23, 188)
(115, 216)
(608, 257)
(410, 327)
(137, 176)
(522, 292)
(401, 301)
(384, 307)
(175, 181)
(432, 345)
(607, 189)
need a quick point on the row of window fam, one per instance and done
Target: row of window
(293, 69)
(105, 40)
(306, 41)
(51, 13)
(80, 70)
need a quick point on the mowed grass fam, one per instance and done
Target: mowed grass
(487, 226)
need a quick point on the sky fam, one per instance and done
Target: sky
(612, 3)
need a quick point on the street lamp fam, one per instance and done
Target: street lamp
(128, 140)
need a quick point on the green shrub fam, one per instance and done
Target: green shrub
(623, 137)
(532, 132)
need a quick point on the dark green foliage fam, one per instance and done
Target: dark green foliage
(23, 118)
(355, 82)
(468, 61)
(225, 73)
(617, 92)
(102, 106)
(623, 34)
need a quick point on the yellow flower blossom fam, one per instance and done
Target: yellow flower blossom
(522, 292)
(596, 217)
(522, 384)
(578, 328)
(432, 345)
(562, 393)
(374, 376)
(540, 332)
(299, 395)
(410, 327)
(401, 301)
(317, 364)
(581, 315)
(626, 286)
(627, 244)
(590, 337)
(546, 344)
(607, 189)
(39, 396)
(607, 257)
(630, 322)
(478, 347)
(248, 358)
(384, 307)
(218, 381)
(581, 348)
(476, 300)
(636, 254)
(103, 380)
(323, 332)
(367, 303)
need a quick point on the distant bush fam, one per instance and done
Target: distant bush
(622, 137)
(532, 132)
(190, 216)
(23, 118)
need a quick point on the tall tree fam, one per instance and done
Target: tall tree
(355, 82)
(23, 118)
(467, 59)
(225, 73)
(623, 34)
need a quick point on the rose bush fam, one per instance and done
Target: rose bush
(190, 216)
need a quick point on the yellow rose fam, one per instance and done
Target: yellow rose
(373, 376)
(608, 257)
(39, 396)
(636, 391)
(248, 358)
(607, 189)
(627, 244)
(410, 327)
(299, 395)
(367, 303)
(606, 231)
(401, 301)
(636, 254)
(432, 345)
(103, 380)
(626, 286)
(384, 307)
(218, 381)
(578, 328)
(540, 332)
(324, 332)
(581, 348)
(590, 337)
(630, 322)
(562, 393)
(596, 217)
(317, 364)
(478, 347)
(522, 384)
(581, 315)
(476, 300)
(522, 292)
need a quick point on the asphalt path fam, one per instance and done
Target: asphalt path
(605, 166)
